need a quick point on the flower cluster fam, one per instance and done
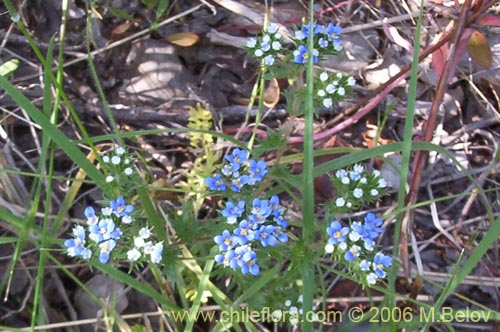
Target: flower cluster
(326, 41)
(330, 88)
(267, 46)
(356, 186)
(103, 232)
(355, 245)
(259, 222)
(117, 163)
(237, 173)
(293, 312)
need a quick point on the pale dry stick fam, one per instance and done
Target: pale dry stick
(469, 280)
(432, 240)
(435, 218)
(416, 254)
(119, 42)
(63, 294)
(480, 182)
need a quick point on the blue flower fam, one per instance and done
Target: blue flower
(266, 235)
(380, 262)
(244, 233)
(106, 248)
(260, 210)
(300, 55)
(237, 158)
(119, 207)
(233, 212)
(372, 226)
(239, 182)
(257, 170)
(156, 253)
(104, 230)
(352, 253)
(317, 28)
(364, 265)
(91, 216)
(333, 32)
(227, 259)
(247, 262)
(337, 233)
(76, 245)
(215, 183)
(225, 241)
(323, 43)
(280, 235)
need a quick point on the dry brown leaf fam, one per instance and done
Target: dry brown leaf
(272, 93)
(184, 39)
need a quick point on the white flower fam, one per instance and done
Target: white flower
(300, 299)
(345, 180)
(105, 159)
(374, 192)
(342, 246)
(358, 192)
(329, 248)
(364, 265)
(288, 303)
(276, 45)
(128, 171)
(341, 91)
(115, 160)
(362, 180)
(139, 242)
(127, 219)
(109, 179)
(157, 253)
(266, 39)
(323, 76)
(327, 102)
(120, 150)
(251, 42)
(351, 81)
(127, 161)
(299, 35)
(371, 278)
(258, 53)
(358, 168)
(107, 211)
(145, 233)
(349, 204)
(277, 35)
(376, 173)
(321, 93)
(133, 255)
(354, 236)
(277, 315)
(382, 183)
(269, 60)
(340, 202)
(330, 88)
(272, 28)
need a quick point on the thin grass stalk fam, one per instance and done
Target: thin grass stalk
(308, 180)
(406, 151)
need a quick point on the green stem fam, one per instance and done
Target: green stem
(308, 182)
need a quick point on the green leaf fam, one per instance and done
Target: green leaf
(479, 49)
(9, 67)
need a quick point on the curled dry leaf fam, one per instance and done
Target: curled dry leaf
(479, 49)
(272, 93)
(184, 39)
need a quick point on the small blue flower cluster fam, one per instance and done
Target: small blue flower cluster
(330, 88)
(356, 245)
(357, 186)
(105, 229)
(326, 40)
(266, 46)
(264, 224)
(260, 221)
(232, 176)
